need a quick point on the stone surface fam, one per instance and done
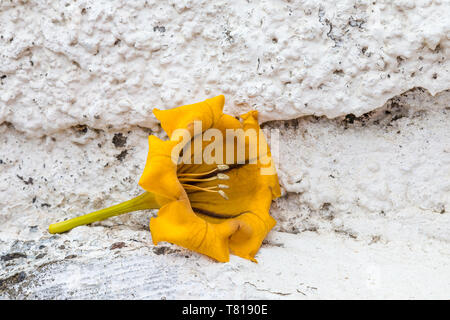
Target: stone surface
(313, 266)
(364, 214)
(393, 159)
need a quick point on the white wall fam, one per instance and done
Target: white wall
(364, 166)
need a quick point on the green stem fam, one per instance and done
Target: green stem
(142, 202)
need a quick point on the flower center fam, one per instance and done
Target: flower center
(189, 181)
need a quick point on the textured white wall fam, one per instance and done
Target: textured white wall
(110, 62)
(366, 190)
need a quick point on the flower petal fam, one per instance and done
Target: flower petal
(249, 196)
(178, 224)
(246, 242)
(160, 172)
(249, 199)
(208, 111)
(255, 225)
(225, 122)
(208, 222)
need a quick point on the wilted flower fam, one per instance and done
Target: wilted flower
(213, 192)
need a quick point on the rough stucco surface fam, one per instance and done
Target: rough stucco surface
(364, 165)
(110, 62)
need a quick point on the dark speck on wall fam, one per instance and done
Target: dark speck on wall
(29, 181)
(117, 245)
(122, 155)
(12, 256)
(119, 140)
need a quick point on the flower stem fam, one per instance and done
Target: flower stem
(142, 202)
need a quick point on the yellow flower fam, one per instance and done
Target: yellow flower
(211, 207)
